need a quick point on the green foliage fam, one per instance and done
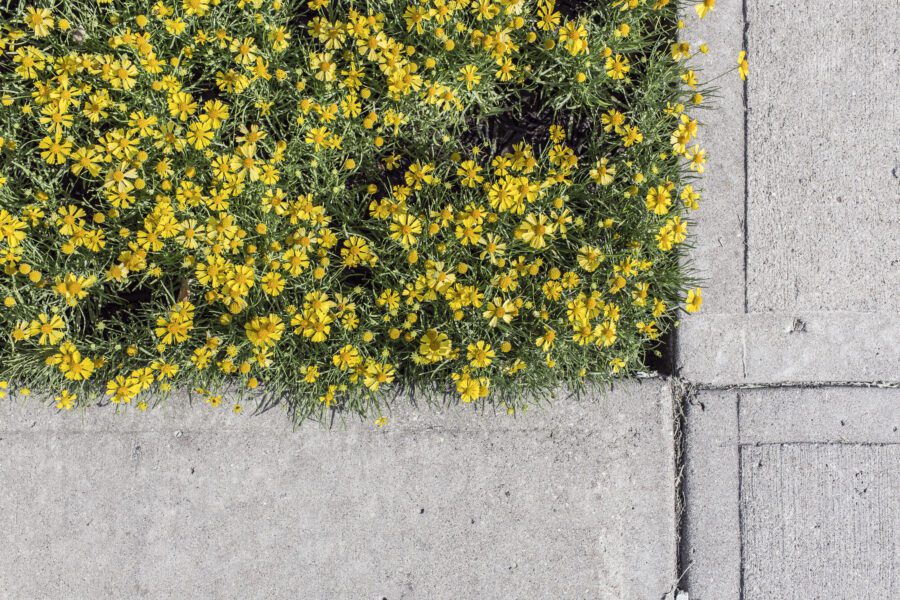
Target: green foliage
(328, 202)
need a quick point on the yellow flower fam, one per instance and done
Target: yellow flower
(546, 341)
(356, 251)
(121, 389)
(404, 228)
(435, 346)
(55, 149)
(346, 358)
(648, 329)
(417, 174)
(264, 332)
(195, 8)
(272, 284)
(704, 7)
(200, 134)
(631, 135)
(617, 67)
(310, 373)
(215, 112)
(605, 333)
(71, 363)
(469, 173)
(743, 65)
(323, 65)
(122, 74)
(574, 37)
(612, 120)
(659, 200)
(603, 173)
(66, 400)
(244, 51)
(239, 280)
(182, 105)
(51, 329)
(690, 198)
(694, 300)
(534, 230)
(480, 354)
(378, 374)
(175, 329)
(318, 137)
(73, 287)
(548, 17)
(617, 365)
(589, 258)
(40, 20)
(499, 310)
(659, 307)
(469, 75)
(506, 70)
(470, 388)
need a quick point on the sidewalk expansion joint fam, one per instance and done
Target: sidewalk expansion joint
(796, 384)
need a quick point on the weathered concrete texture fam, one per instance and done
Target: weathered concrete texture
(835, 415)
(823, 183)
(827, 346)
(824, 157)
(796, 489)
(796, 347)
(821, 522)
(791, 493)
(718, 226)
(571, 501)
(711, 546)
(710, 348)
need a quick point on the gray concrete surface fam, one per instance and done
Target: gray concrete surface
(791, 492)
(711, 538)
(820, 521)
(572, 501)
(823, 157)
(813, 237)
(718, 225)
(781, 483)
(710, 344)
(760, 348)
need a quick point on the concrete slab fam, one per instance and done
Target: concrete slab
(784, 485)
(819, 268)
(711, 536)
(823, 157)
(710, 349)
(718, 226)
(797, 347)
(821, 521)
(709, 344)
(822, 347)
(825, 415)
(571, 501)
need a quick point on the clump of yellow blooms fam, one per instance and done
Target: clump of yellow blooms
(325, 201)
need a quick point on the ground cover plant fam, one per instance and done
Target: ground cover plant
(325, 202)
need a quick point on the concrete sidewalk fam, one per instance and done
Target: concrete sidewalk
(792, 406)
(574, 500)
(792, 493)
(788, 380)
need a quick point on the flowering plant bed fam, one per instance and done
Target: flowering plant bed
(329, 201)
